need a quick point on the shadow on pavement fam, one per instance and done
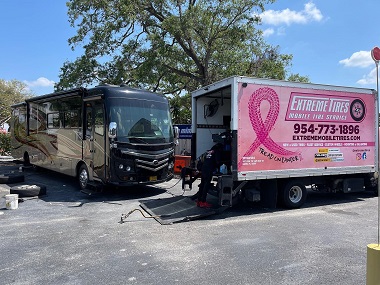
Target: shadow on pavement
(314, 199)
(64, 188)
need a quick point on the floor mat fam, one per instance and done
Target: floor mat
(176, 209)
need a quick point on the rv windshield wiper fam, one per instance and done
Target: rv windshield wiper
(137, 138)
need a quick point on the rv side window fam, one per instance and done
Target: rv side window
(89, 121)
(99, 120)
(21, 115)
(19, 121)
(34, 119)
(71, 119)
(54, 120)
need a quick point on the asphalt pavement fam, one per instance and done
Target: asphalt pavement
(70, 237)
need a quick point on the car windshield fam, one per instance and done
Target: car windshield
(141, 120)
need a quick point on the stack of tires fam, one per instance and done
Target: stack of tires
(23, 190)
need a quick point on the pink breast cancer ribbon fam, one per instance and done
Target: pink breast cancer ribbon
(261, 128)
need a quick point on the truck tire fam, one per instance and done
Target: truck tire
(11, 178)
(26, 159)
(28, 190)
(83, 176)
(294, 194)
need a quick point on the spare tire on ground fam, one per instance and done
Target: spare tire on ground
(28, 190)
(11, 178)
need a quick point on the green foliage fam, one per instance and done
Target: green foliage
(5, 144)
(11, 92)
(181, 108)
(173, 47)
(298, 78)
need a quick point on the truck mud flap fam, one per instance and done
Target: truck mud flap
(177, 209)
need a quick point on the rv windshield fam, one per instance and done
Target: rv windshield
(141, 121)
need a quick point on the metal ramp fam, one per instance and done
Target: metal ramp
(177, 209)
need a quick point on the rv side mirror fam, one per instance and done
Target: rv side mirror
(176, 132)
(112, 130)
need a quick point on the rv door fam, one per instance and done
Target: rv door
(94, 140)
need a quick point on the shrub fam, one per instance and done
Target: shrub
(5, 144)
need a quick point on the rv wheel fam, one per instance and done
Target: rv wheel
(28, 190)
(83, 177)
(294, 194)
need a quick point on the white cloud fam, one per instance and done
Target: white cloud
(358, 59)
(310, 13)
(268, 32)
(370, 78)
(40, 82)
(361, 59)
(281, 31)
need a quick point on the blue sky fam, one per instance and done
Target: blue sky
(330, 40)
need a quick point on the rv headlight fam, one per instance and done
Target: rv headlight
(128, 168)
(121, 166)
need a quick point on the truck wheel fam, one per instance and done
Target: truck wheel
(294, 194)
(83, 176)
(28, 190)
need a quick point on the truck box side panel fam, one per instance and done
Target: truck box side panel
(286, 130)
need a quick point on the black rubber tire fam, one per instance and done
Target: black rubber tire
(26, 159)
(10, 178)
(83, 176)
(28, 190)
(294, 194)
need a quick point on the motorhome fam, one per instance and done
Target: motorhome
(103, 135)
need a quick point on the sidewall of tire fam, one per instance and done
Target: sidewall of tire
(12, 178)
(81, 168)
(285, 195)
(28, 190)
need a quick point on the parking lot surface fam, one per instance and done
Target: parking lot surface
(70, 237)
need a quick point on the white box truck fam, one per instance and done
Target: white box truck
(282, 138)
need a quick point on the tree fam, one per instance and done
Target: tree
(298, 78)
(169, 46)
(11, 92)
(181, 108)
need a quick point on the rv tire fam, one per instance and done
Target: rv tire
(83, 176)
(28, 190)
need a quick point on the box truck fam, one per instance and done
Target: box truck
(282, 139)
